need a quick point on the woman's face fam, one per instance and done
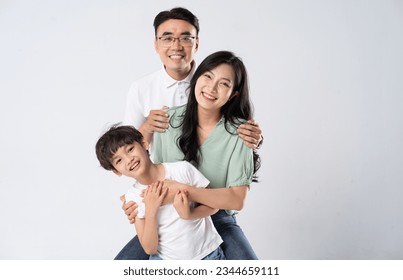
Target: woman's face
(214, 88)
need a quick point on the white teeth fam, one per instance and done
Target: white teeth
(208, 96)
(176, 56)
(134, 166)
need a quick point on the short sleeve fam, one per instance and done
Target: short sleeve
(240, 171)
(134, 108)
(195, 177)
(157, 156)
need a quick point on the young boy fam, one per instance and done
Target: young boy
(166, 231)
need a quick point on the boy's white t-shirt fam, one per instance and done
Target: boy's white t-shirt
(180, 239)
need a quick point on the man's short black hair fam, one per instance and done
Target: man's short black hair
(176, 13)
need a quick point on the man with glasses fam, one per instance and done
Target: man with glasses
(176, 42)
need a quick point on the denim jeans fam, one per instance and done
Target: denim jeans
(235, 246)
(217, 254)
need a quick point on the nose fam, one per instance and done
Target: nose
(176, 45)
(213, 86)
(128, 160)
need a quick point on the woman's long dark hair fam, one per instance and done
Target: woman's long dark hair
(237, 109)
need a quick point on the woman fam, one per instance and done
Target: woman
(203, 132)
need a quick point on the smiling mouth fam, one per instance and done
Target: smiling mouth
(134, 165)
(176, 56)
(209, 96)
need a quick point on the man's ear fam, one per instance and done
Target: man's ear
(116, 172)
(155, 45)
(197, 44)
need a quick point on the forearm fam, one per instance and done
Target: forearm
(220, 198)
(149, 237)
(201, 211)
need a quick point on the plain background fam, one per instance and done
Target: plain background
(326, 82)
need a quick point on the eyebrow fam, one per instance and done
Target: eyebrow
(227, 79)
(114, 158)
(171, 33)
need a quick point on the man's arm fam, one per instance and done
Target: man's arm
(156, 121)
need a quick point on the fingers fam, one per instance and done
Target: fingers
(130, 205)
(123, 198)
(127, 205)
(131, 211)
(157, 120)
(164, 192)
(251, 133)
(155, 187)
(250, 142)
(132, 216)
(177, 197)
(156, 191)
(185, 197)
(181, 197)
(159, 114)
(250, 128)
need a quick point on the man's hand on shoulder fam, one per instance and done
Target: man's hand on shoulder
(251, 134)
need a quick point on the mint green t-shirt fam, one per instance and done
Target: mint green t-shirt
(225, 161)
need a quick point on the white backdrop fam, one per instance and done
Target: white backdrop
(326, 81)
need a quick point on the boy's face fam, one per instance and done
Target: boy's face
(131, 160)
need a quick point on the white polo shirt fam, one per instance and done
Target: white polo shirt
(154, 91)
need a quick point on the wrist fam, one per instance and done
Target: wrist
(184, 187)
(151, 212)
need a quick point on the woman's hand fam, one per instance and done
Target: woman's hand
(250, 133)
(130, 209)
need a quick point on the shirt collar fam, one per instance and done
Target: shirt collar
(169, 81)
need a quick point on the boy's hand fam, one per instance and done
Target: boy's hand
(181, 204)
(153, 197)
(129, 208)
(250, 133)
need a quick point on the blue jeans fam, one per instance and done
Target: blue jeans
(235, 246)
(217, 254)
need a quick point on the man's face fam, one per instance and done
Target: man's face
(176, 56)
